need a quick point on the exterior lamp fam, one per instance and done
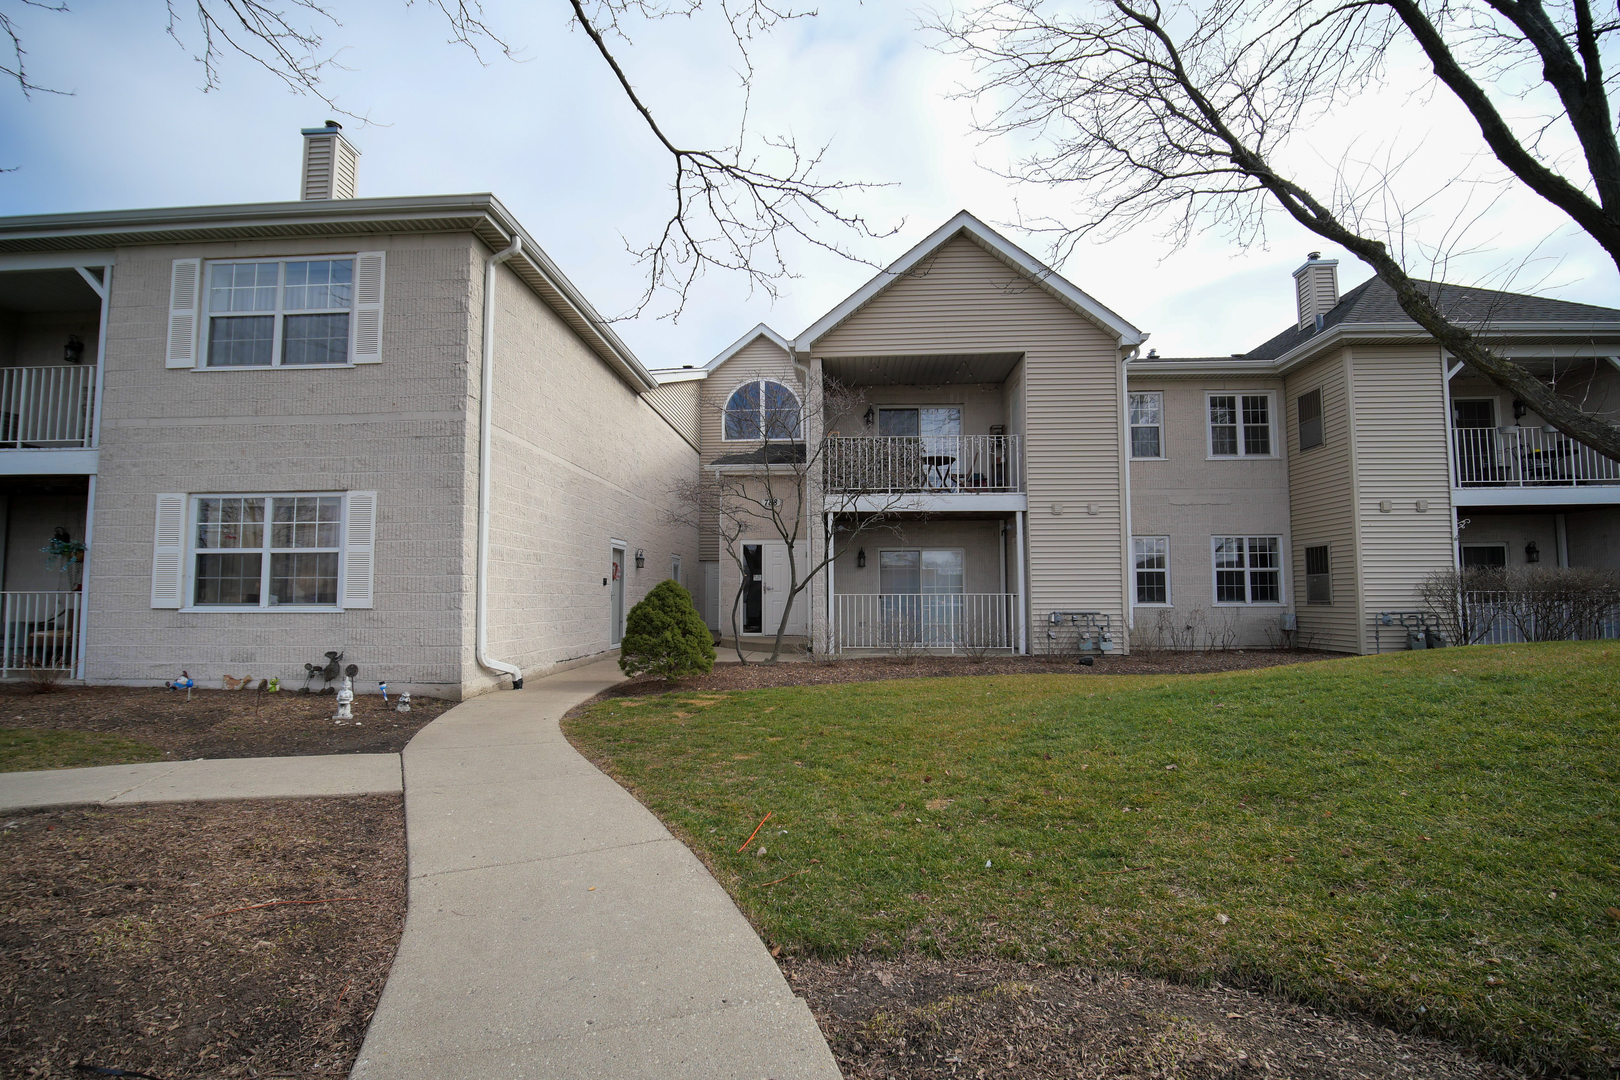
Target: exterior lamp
(641, 558)
(73, 351)
(860, 557)
(1532, 553)
(869, 415)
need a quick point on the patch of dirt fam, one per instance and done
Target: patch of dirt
(910, 1018)
(119, 947)
(220, 723)
(734, 676)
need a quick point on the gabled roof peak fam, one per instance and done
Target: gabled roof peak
(965, 224)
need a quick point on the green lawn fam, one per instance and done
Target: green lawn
(22, 750)
(1427, 837)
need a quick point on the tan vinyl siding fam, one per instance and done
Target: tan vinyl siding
(963, 299)
(1321, 489)
(1400, 456)
(677, 403)
(759, 359)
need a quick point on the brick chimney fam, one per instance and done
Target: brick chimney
(1316, 288)
(330, 162)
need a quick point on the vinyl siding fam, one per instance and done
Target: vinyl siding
(1321, 491)
(677, 403)
(1400, 456)
(759, 359)
(963, 300)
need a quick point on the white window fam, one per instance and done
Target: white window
(257, 551)
(323, 311)
(1150, 560)
(763, 410)
(1247, 570)
(1147, 425)
(1240, 425)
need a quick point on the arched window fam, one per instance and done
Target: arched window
(763, 409)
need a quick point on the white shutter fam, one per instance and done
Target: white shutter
(368, 303)
(185, 304)
(168, 551)
(359, 549)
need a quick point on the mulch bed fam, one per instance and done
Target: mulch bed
(119, 947)
(911, 1018)
(220, 723)
(735, 676)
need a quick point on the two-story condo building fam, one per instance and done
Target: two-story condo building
(234, 438)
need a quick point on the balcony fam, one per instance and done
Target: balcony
(932, 464)
(40, 632)
(1524, 457)
(973, 623)
(46, 408)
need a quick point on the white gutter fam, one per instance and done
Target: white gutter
(1130, 542)
(485, 416)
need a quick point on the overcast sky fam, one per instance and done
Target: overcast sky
(554, 138)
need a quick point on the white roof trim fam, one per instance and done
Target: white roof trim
(966, 223)
(760, 330)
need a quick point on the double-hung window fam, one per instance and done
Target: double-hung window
(1318, 575)
(1147, 425)
(1248, 570)
(1150, 559)
(268, 314)
(1311, 433)
(1240, 425)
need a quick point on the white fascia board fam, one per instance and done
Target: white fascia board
(747, 339)
(675, 375)
(1262, 369)
(55, 260)
(1343, 334)
(966, 223)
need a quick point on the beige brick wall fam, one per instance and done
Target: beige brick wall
(579, 459)
(396, 427)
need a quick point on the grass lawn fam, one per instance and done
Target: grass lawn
(1431, 838)
(23, 750)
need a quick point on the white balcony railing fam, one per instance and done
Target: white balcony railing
(953, 464)
(949, 622)
(46, 408)
(1527, 457)
(40, 631)
(1492, 618)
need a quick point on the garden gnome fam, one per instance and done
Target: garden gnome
(404, 702)
(345, 700)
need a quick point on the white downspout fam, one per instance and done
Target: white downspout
(485, 416)
(1130, 542)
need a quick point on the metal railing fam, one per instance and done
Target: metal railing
(1496, 619)
(1527, 457)
(954, 464)
(948, 622)
(41, 631)
(46, 408)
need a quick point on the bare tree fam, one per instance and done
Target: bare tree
(734, 208)
(796, 483)
(1150, 111)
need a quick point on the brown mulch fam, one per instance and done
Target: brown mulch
(119, 948)
(735, 676)
(910, 1018)
(220, 723)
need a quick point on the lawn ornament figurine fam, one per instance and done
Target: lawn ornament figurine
(404, 702)
(327, 671)
(184, 682)
(345, 701)
(384, 688)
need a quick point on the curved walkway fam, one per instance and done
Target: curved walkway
(557, 930)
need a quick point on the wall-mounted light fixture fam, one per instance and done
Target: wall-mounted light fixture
(860, 557)
(641, 558)
(1532, 553)
(73, 351)
(870, 414)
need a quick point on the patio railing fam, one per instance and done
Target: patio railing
(46, 408)
(1527, 457)
(947, 622)
(949, 464)
(40, 631)
(1495, 619)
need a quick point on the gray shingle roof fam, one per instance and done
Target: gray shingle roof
(769, 454)
(1374, 302)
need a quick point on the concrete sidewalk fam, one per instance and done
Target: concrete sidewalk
(557, 930)
(204, 780)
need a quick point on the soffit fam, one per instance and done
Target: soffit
(936, 370)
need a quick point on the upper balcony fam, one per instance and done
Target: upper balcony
(46, 408)
(926, 464)
(1523, 465)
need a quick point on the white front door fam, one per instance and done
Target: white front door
(777, 583)
(616, 595)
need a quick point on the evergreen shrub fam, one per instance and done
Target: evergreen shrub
(665, 635)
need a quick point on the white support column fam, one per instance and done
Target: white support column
(1561, 524)
(84, 574)
(1023, 592)
(104, 290)
(832, 563)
